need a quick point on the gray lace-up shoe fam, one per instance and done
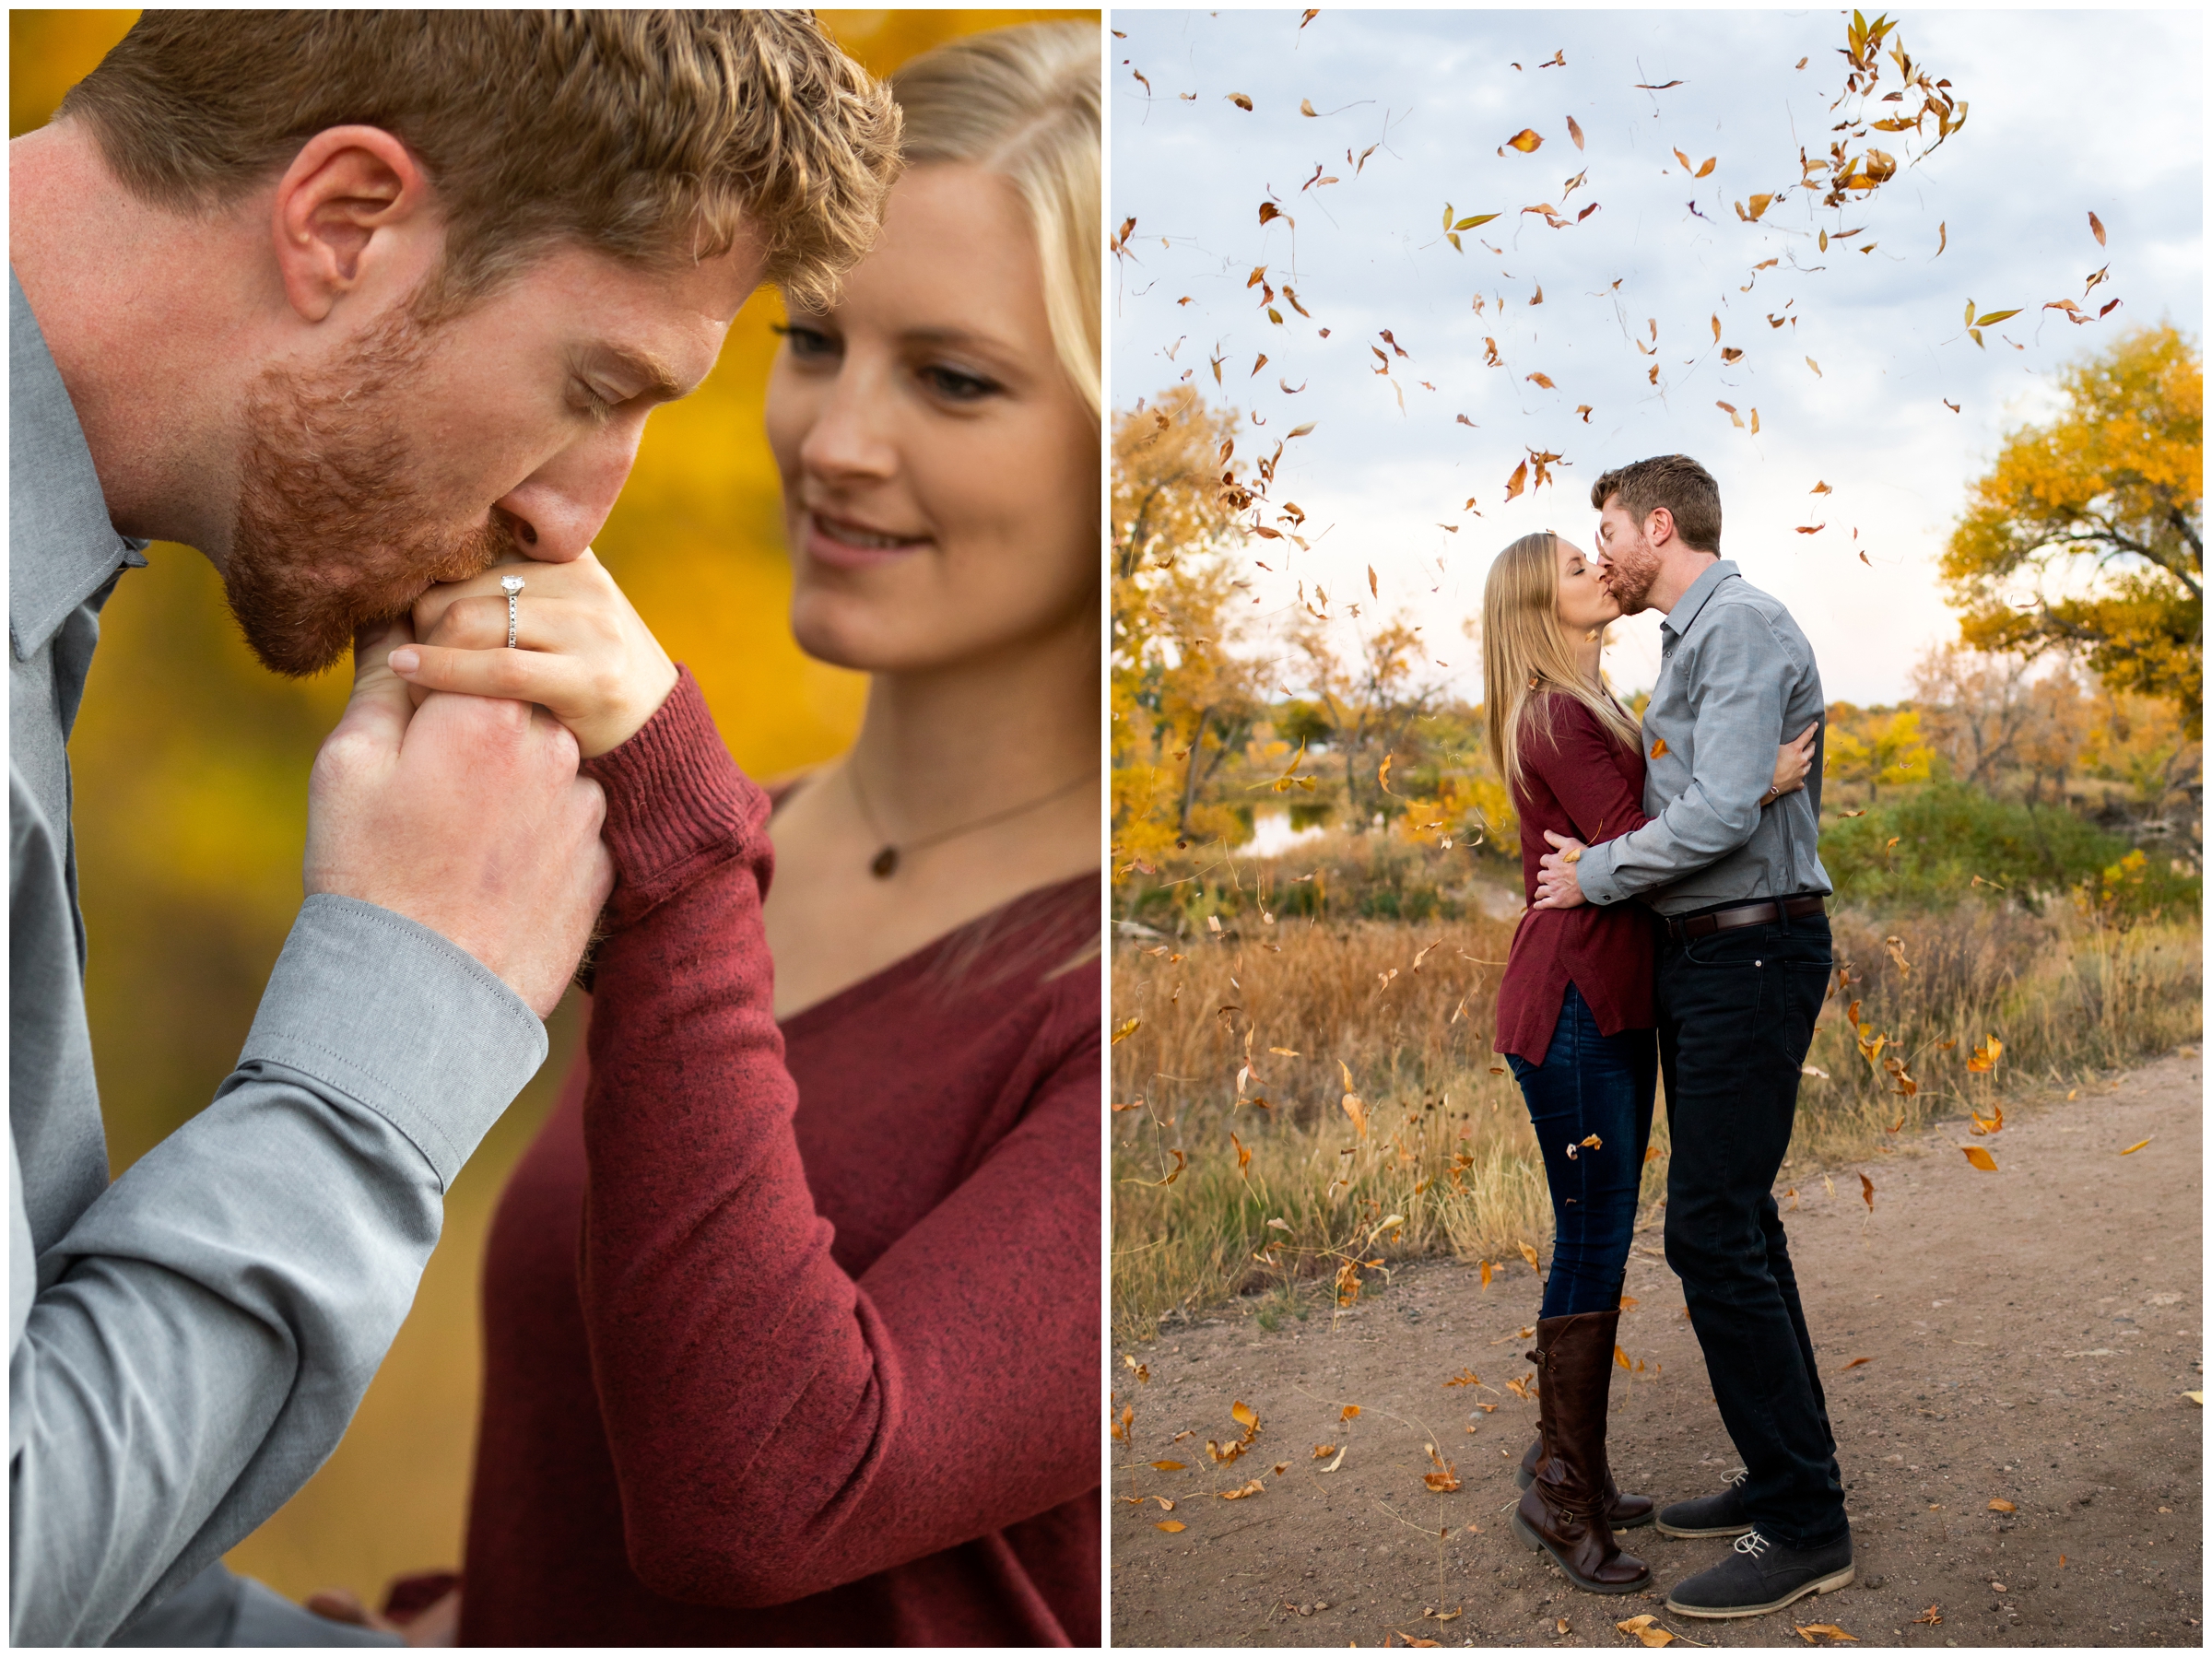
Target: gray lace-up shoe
(1758, 1576)
(1722, 1515)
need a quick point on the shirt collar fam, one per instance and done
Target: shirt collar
(1679, 619)
(62, 549)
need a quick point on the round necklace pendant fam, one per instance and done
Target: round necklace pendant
(885, 863)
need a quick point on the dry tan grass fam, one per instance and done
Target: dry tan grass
(1438, 1156)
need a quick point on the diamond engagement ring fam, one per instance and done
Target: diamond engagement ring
(510, 585)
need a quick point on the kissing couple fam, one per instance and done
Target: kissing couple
(1677, 926)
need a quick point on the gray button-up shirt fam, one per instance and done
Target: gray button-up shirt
(1735, 676)
(186, 1343)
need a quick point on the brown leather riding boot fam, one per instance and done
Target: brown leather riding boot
(1623, 1512)
(1563, 1512)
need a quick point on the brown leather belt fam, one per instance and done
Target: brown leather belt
(1683, 928)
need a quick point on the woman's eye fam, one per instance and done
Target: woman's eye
(955, 385)
(808, 344)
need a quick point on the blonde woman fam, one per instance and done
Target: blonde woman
(1575, 1022)
(792, 1311)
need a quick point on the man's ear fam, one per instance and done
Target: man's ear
(339, 210)
(1659, 526)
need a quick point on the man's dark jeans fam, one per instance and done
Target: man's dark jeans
(1735, 1020)
(1589, 1083)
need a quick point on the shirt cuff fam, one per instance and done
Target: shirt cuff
(389, 1013)
(676, 804)
(1594, 874)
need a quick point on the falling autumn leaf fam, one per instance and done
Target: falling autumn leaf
(1867, 1190)
(1486, 1269)
(1857, 1361)
(1241, 102)
(1525, 140)
(1574, 132)
(1979, 1158)
(2136, 1146)
(1543, 380)
(1729, 409)
(2097, 228)
(1659, 747)
(1514, 484)
(1168, 1525)
(1305, 107)
(1661, 87)
(1529, 1254)
(1815, 367)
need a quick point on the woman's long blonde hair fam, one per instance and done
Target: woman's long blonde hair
(1023, 102)
(1525, 655)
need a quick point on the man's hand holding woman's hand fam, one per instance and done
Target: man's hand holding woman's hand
(581, 651)
(466, 816)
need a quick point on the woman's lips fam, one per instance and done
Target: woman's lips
(843, 545)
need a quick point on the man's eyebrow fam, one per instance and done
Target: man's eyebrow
(653, 378)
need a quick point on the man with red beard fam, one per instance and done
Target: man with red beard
(353, 302)
(1742, 967)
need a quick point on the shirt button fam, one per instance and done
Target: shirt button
(1759, 963)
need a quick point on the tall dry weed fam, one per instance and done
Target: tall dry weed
(1241, 1169)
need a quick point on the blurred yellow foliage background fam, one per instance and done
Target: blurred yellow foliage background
(191, 775)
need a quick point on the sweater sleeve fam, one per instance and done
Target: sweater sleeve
(1583, 774)
(779, 1428)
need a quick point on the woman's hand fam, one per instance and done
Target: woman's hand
(1792, 764)
(437, 1623)
(581, 651)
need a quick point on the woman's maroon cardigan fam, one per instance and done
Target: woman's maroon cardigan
(792, 1333)
(1587, 785)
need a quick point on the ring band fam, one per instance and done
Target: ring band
(512, 586)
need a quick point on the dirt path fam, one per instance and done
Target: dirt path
(2031, 1335)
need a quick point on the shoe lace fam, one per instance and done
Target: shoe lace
(1738, 1476)
(1751, 1542)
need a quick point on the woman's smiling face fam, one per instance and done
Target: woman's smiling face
(940, 472)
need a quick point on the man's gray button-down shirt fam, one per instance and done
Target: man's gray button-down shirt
(187, 1344)
(1735, 676)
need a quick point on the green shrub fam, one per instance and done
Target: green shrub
(1947, 836)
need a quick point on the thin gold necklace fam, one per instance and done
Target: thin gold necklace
(884, 863)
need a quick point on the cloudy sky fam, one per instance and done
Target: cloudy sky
(2070, 113)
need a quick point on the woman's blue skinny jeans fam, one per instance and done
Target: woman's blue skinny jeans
(1590, 1084)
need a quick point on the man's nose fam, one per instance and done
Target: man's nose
(558, 509)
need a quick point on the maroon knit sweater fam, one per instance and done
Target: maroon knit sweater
(1586, 784)
(792, 1336)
